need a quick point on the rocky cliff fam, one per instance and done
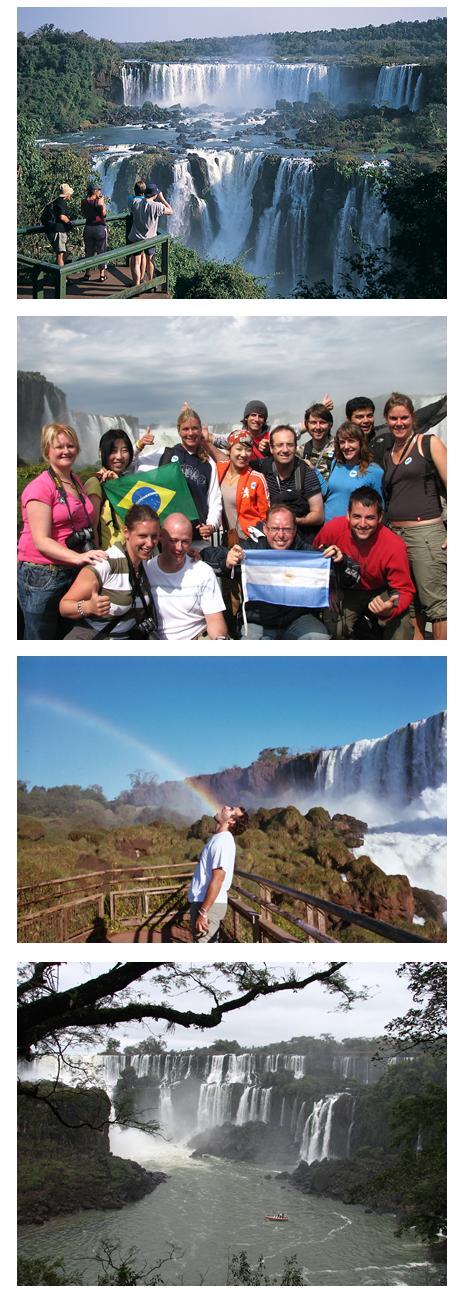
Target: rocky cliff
(64, 1160)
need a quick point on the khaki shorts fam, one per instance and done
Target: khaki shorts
(214, 918)
(428, 563)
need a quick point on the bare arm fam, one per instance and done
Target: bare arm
(315, 514)
(85, 591)
(40, 521)
(212, 893)
(167, 208)
(96, 508)
(216, 625)
(439, 456)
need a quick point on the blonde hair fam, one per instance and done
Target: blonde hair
(66, 190)
(187, 414)
(51, 432)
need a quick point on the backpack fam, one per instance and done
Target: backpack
(48, 216)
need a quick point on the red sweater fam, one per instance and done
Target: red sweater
(383, 559)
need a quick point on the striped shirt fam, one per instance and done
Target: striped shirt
(113, 574)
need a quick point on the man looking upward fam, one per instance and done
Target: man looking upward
(213, 874)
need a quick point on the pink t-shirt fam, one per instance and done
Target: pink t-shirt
(43, 489)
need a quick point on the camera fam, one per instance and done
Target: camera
(147, 628)
(81, 540)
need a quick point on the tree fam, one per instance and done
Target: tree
(424, 1025)
(46, 1014)
(240, 1272)
(416, 1178)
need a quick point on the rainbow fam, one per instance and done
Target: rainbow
(65, 710)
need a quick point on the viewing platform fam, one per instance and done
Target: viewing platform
(41, 278)
(148, 903)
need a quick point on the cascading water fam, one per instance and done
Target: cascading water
(260, 83)
(317, 1141)
(229, 85)
(397, 767)
(398, 784)
(398, 87)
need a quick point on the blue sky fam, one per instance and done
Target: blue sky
(120, 365)
(179, 718)
(151, 23)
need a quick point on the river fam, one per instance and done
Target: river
(211, 1209)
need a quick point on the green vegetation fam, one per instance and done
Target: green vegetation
(416, 201)
(70, 80)
(310, 852)
(241, 1273)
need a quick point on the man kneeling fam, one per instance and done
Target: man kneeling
(385, 589)
(213, 874)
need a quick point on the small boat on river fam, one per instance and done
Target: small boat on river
(275, 1217)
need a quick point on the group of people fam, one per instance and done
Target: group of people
(370, 499)
(146, 206)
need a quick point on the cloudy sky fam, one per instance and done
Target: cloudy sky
(147, 367)
(280, 1017)
(174, 22)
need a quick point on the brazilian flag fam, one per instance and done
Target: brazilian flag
(164, 489)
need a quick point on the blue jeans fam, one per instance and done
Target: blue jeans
(40, 589)
(304, 626)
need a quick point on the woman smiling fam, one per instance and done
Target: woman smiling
(57, 536)
(352, 467)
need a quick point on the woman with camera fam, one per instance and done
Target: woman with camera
(57, 536)
(112, 598)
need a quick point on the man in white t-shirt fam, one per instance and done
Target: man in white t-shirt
(187, 595)
(213, 874)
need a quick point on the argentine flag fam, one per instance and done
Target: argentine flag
(286, 578)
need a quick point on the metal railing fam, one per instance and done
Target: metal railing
(155, 898)
(44, 273)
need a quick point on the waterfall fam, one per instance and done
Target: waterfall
(90, 428)
(398, 86)
(317, 1138)
(254, 1105)
(362, 215)
(282, 241)
(240, 86)
(165, 1107)
(356, 1067)
(396, 768)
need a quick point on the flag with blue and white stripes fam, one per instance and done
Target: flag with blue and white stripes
(286, 578)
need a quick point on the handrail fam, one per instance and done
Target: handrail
(77, 221)
(41, 267)
(324, 907)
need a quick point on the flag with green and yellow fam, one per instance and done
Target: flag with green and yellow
(164, 489)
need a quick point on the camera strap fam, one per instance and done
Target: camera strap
(141, 588)
(64, 498)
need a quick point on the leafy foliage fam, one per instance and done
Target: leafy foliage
(240, 1272)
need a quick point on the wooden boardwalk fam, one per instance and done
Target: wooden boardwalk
(118, 278)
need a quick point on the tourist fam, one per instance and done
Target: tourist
(199, 470)
(148, 205)
(187, 595)
(244, 491)
(245, 503)
(267, 621)
(318, 449)
(95, 233)
(254, 420)
(112, 597)
(361, 411)
(292, 481)
(57, 536)
(415, 477)
(352, 462)
(213, 875)
(57, 222)
(116, 453)
(379, 603)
